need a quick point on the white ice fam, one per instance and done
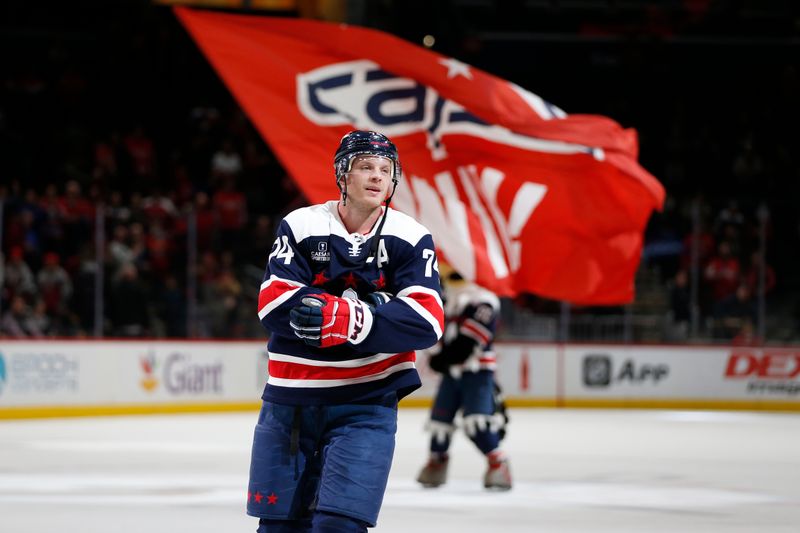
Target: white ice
(575, 471)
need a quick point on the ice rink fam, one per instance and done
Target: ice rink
(575, 471)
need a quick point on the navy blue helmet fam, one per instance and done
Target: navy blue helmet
(360, 142)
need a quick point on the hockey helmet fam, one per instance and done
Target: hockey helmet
(360, 142)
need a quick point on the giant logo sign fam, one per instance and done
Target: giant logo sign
(180, 375)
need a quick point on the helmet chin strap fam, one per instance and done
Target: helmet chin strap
(373, 248)
(343, 190)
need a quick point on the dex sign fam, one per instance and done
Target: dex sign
(764, 364)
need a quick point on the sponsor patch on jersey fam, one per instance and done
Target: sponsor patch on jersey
(321, 253)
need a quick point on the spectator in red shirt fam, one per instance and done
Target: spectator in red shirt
(77, 216)
(141, 151)
(159, 249)
(105, 157)
(751, 277)
(73, 205)
(231, 208)
(705, 247)
(723, 272)
(205, 220)
(55, 286)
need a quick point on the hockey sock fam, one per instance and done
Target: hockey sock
(335, 523)
(266, 525)
(439, 457)
(495, 457)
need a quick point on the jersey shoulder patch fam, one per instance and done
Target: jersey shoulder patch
(309, 221)
(404, 227)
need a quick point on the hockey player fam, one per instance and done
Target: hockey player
(351, 290)
(467, 363)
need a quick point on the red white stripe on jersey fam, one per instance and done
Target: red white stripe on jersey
(292, 371)
(427, 303)
(274, 292)
(476, 331)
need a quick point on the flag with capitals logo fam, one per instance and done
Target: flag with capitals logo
(518, 195)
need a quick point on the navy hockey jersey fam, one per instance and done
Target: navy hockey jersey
(314, 253)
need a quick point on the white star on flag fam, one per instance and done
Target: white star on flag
(456, 68)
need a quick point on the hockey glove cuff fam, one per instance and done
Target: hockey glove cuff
(377, 299)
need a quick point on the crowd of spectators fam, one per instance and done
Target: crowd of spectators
(148, 222)
(724, 253)
(135, 152)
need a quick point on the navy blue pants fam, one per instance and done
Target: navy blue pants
(473, 393)
(337, 460)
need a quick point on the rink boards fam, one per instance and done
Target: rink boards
(63, 378)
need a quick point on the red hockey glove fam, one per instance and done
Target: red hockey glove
(323, 320)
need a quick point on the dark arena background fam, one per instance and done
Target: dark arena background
(112, 102)
(138, 205)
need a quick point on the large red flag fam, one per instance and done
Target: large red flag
(519, 196)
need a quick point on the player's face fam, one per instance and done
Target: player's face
(368, 180)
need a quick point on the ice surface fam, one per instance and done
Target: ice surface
(619, 471)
